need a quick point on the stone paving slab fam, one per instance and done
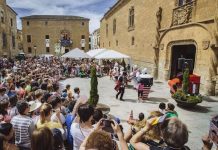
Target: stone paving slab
(196, 119)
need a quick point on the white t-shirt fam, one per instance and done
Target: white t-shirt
(79, 135)
(54, 118)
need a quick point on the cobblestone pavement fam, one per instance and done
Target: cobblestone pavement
(196, 119)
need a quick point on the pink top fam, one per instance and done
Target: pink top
(140, 87)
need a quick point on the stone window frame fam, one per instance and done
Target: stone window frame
(117, 42)
(131, 21)
(28, 23)
(114, 26)
(83, 37)
(83, 23)
(47, 49)
(182, 2)
(29, 49)
(13, 41)
(11, 21)
(47, 36)
(28, 38)
(133, 40)
(2, 16)
(107, 30)
(4, 40)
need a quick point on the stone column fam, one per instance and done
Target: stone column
(157, 40)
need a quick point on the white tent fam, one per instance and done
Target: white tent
(111, 54)
(95, 52)
(76, 54)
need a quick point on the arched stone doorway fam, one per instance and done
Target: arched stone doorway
(182, 54)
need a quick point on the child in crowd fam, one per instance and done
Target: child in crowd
(140, 91)
(162, 108)
(170, 110)
(76, 93)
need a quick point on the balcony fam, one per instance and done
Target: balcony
(183, 14)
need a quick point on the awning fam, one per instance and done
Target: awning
(76, 54)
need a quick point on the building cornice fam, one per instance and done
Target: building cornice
(113, 8)
(53, 17)
(11, 9)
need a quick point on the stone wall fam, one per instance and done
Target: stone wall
(191, 23)
(8, 29)
(38, 29)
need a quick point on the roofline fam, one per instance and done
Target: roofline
(112, 9)
(30, 17)
(12, 9)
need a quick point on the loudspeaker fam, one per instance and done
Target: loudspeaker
(189, 64)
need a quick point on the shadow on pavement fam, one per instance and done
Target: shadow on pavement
(198, 108)
(209, 99)
(157, 100)
(131, 100)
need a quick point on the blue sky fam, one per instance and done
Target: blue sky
(93, 9)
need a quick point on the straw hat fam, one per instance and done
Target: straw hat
(34, 105)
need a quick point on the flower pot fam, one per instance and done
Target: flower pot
(185, 103)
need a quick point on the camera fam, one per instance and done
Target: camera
(106, 123)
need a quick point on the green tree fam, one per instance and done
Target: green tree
(94, 97)
(185, 82)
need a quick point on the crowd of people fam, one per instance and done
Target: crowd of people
(36, 113)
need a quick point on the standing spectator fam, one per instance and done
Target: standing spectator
(13, 109)
(45, 118)
(42, 139)
(81, 130)
(23, 126)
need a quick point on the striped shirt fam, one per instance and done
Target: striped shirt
(23, 128)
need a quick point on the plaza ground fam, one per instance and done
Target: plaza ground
(197, 119)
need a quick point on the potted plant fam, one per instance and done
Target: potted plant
(94, 97)
(182, 96)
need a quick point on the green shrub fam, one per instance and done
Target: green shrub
(94, 97)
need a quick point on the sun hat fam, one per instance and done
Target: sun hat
(34, 105)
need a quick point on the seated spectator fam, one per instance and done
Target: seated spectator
(23, 126)
(42, 139)
(170, 111)
(76, 93)
(81, 130)
(173, 131)
(162, 108)
(45, 118)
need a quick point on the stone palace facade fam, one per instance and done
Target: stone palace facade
(157, 33)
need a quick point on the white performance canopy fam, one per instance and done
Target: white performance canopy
(76, 54)
(95, 52)
(111, 54)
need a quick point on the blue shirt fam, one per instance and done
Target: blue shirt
(69, 121)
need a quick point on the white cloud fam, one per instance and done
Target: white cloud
(59, 7)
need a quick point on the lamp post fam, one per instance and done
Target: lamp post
(35, 47)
